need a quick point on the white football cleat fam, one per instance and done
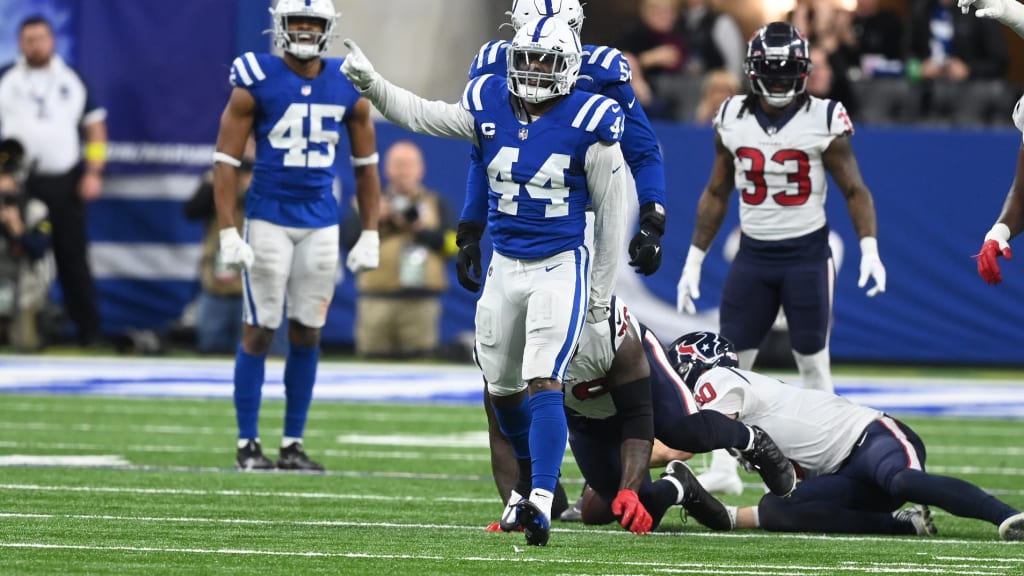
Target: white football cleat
(721, 482)
(1012, 529)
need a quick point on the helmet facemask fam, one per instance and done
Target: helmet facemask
(778, 80)
(303, 44)
(543, 60)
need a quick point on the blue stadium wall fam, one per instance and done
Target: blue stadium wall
(163, 77)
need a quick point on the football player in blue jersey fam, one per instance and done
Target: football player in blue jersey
(550, 151)
(297, 107)
(603, 70)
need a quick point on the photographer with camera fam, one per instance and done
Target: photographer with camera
(26, 266)
(399, 308)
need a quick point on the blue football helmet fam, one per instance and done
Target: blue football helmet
(778, 63)
(697, 352)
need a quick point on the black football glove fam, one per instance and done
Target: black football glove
(645, 247)
(467, 263)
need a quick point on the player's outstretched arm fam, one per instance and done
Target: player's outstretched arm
(365, 255)
(711, 209)
(606, 180)
(434, 118)
(1009, 224)
(1009, 12)
(841, 163)
(235, 125)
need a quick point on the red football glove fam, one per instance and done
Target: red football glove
(988, 260)
(635, 517)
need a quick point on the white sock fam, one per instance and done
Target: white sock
(815, 370)
(543, 500)
(732, 516)
(288, 441)
(747, 358)
(750, 445)
(756, 512)
(243, 441)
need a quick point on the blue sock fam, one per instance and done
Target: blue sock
(249, 371)
(515, 425)
(548, 433)
(299, 376)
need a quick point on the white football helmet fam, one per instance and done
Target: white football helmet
(303, 45)
(568, 11)
(543, 60)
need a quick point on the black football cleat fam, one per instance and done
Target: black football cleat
(293, 457)
(535, 525)
(250, 457)
(767, 460)
(697, 501)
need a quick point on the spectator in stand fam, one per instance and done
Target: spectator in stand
(877, 42)
(399, 308)
(714, 40)
(718, 85)
(830, 28)
(657, 52)
(963, 60)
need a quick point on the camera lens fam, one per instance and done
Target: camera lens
(8, 199)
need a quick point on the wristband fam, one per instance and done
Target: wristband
(226, 159)
(1000, 232)
(96, 152)
(366, 161)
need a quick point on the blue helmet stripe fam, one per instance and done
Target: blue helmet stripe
(540, 26)
(549, 7)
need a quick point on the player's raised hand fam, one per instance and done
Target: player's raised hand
(365, 255)
(871, 266)
(234, 252)
(633, 516)
(994, 246)
(645, 247)
(357, 67)
(688, 288)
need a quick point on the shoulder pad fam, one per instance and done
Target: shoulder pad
(473, 96)
(601, 115)
(839, 123)
(247, 70)
(490, 59)
(605, 65)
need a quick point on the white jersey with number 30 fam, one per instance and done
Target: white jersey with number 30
(814, 429)
(779, 169)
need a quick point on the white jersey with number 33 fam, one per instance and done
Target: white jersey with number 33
(814, 429)
(779, 169)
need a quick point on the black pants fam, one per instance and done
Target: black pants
(67, 217)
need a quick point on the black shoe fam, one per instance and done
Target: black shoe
(250, 457)
(767, 460)
(535, 526)
(697, 502)
(294, 458)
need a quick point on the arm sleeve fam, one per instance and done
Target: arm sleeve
(640, 147)
(431, 117)
(475, 208)
(606, 181)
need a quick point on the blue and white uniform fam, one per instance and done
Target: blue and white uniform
(541, 176)
(290, 209)
(604, 70)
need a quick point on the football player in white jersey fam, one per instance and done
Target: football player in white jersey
(550, 151)
(1011, 220)
(297, 106)
(858, 465)
(776, 146)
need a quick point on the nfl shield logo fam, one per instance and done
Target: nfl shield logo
(523, 133)
(307, 90)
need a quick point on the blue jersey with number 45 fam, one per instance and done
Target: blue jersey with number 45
(603, 70)
(537, 187)
(297, 126)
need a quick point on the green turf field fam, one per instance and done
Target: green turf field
(408, 492)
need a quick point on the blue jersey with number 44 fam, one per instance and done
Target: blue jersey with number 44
(297, 125)
(537, 187)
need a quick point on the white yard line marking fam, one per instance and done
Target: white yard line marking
(103, 460)
(687, 567)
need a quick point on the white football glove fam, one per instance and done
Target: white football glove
(688, 288)
(357, 67)
(983, 8)
(234, 252)
(365, 255)
(871, 266)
